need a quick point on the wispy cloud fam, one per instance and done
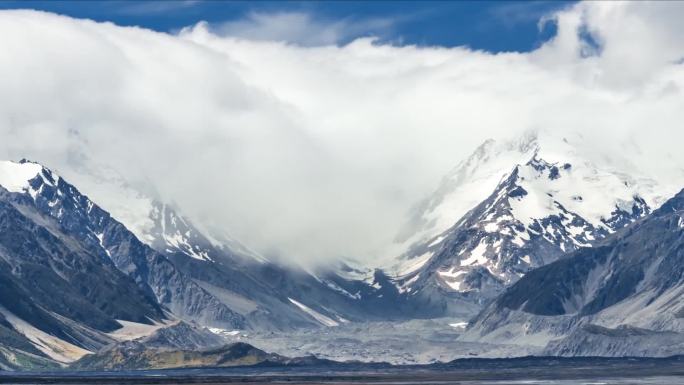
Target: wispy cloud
(513, 13)
(302, 28)
(153, 7)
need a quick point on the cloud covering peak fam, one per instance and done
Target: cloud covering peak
(312, 153)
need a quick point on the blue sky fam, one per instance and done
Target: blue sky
(488, 25)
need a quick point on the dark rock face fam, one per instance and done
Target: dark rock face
(47, 278)
(545, 302)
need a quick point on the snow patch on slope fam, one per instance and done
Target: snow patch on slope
(583, 188)
(15, 176)
(55, 348)
(477, 256)
(415, 264)
(133, 330)
(326, 321)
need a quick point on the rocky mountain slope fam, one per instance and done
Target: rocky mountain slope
(622, 297)
(74, 280)
(97, 232)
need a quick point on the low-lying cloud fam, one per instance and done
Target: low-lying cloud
(317, 152)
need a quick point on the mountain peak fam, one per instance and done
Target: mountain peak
(528, 141)
(477, 176)
(516, 205)
(16, 176)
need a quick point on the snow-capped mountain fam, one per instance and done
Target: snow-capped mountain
(59, 297)
(465, 186)
(622, 297)
(546, 198)
(99, 233)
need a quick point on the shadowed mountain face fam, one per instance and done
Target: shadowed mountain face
(70, 274)
(99, 234)
(40, 261)
(631, 281)
(50, 284)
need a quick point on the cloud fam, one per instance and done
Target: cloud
(637, 41)
(153, 7)
(314, 151)
(512, 13)
(300, 28)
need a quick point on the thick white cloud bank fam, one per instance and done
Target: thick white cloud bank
(313, 153)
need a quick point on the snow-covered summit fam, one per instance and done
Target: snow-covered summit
(473, 179)
(17, 176)
(464, 187)
(513, 206)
